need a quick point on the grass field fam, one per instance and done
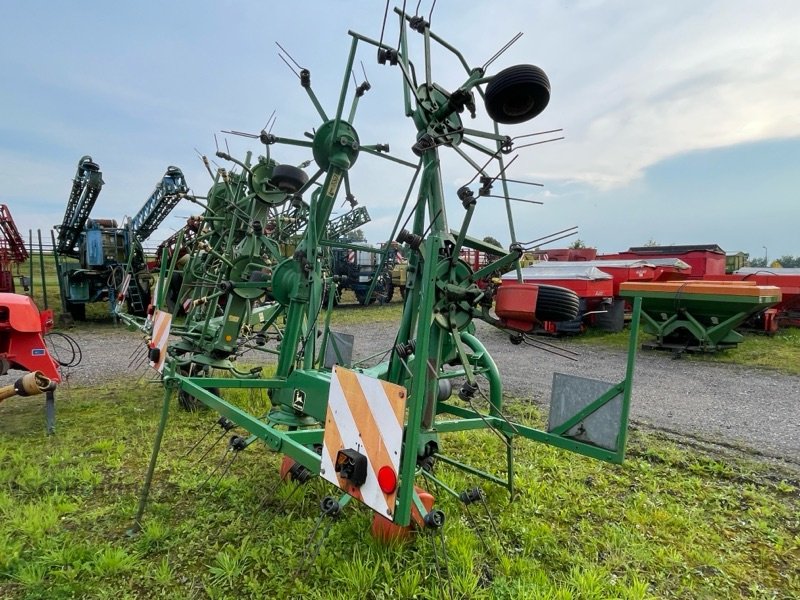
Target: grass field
(669, 523)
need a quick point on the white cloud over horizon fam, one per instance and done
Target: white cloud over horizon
(663, 79)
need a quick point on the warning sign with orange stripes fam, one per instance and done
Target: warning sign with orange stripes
(363, 438)
(162, 321)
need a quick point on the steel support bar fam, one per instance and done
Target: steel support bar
(511, 429)
(472, 470)
(277, 440)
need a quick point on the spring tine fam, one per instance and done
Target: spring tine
(435, 557)
(227, 468)
(211, 447)
(267, 496)
(280, 507)
(502, 416)
(136, 350)
(489, 425)
(430, 14)
(197, 443)
(405, 366)
(530, 343)
(446, 567)
(500, 52)
(289, 55)
(219, 464)
(513, 198)
(557, 347)
(519, 137)
(383, 26)
(323, 536)
(475, 526)
(446, 562)
(544, 239)
(491, 517)
(309, 541)
(539, 143)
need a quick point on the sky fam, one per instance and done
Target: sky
(681, 119)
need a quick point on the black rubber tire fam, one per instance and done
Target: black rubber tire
(77, 310)
(288, 178)
(517, 94)
(556, 304)
(361, 297)
(191, 404)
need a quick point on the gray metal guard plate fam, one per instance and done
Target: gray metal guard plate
(571, 394)
(343, 343)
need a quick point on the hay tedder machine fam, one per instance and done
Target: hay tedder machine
(376, 431)
(99, 261)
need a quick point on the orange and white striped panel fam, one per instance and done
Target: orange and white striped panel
(162, 321)
(365, 414)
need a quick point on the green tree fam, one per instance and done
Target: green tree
(357, 236)
(494, 241)
(578, 244)
(789, 262)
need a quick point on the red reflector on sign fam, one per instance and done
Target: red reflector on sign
(387, 479)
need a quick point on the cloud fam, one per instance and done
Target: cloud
(659, 82)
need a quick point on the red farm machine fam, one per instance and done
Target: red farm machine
(12, 250)
(23, 348)
(23, 327)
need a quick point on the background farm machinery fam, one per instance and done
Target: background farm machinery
(369, 273)
(93, 255)
(13, 252)
(599, 279)
(374, 430)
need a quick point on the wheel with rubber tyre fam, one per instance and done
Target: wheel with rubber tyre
(190, 403)
(77, 310)
(361, 296)
(517, 94)
(288, 178)
(556, 304)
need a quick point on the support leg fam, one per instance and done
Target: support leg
(137, 522)
(50, 411)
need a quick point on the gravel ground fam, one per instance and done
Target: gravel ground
(745, 408)
(755, 410)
